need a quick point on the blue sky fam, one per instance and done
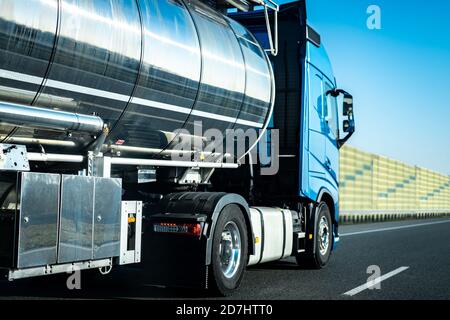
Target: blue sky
(399, 75)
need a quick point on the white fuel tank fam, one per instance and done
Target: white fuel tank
(273, 232)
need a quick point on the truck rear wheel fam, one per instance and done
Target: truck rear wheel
(229, 252)
(323, 237)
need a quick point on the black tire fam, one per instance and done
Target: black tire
(218, 282)
(318, 260)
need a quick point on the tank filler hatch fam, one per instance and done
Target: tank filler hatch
(268, 6)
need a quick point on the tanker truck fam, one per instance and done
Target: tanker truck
(114, 117)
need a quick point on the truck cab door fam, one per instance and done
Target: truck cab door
(316, 143)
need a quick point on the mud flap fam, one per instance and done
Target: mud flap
(177, 238)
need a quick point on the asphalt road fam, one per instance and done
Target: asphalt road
(413, 258)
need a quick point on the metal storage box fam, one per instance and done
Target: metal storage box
(47, 219)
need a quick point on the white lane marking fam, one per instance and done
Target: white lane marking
(124, 98)
(393, 228)
(374, 282)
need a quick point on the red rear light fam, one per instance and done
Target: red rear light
(190, 229)
(197, 230)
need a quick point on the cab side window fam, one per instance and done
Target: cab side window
(317, 94)
(330, 111)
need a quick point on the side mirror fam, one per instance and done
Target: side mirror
(347, 110)
(348, 124)
(348, 105)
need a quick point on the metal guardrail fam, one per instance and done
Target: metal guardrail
(366, 216)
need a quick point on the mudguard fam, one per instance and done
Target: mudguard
(182, 260)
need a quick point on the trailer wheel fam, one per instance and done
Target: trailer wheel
(323, 237)
(229, 251)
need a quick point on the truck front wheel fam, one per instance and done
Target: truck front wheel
(229, 251)
(323, 238)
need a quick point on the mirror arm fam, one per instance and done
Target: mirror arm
(340, 91)
(336, 92)
(342, 141)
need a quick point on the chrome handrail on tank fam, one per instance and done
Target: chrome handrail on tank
(244, 5)
(273, 37)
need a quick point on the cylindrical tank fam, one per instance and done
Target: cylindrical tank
(146, 67)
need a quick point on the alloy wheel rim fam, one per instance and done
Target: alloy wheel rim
(230, 249)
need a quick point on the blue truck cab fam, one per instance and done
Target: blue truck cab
(313, 117)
